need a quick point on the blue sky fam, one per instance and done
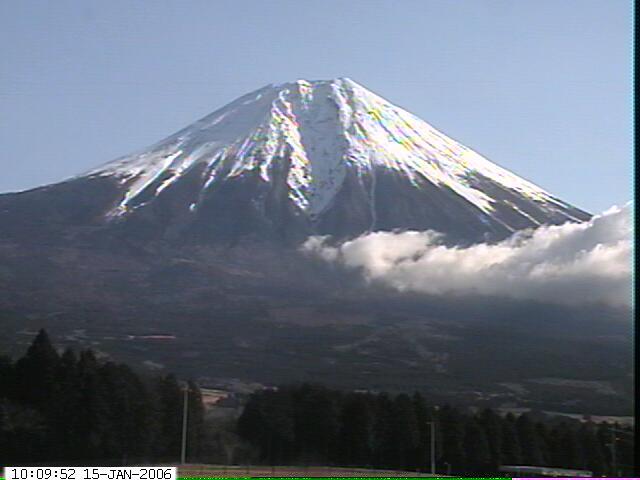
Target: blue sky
(541, 87)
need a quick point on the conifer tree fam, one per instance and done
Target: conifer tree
(93, 413)
(356, 431)
(268, 423)
(34, 372)
(593, 450)
(476, 447)
(492, 425)
(452, 428)
(316, 424)
(4, 437)
(574, 454)
(383, 432)
(128, 413)
(278, 415)
(251, 425)
(544, 440)
(511, 449)
(65, 405)
(6, 376)
(557, 452)
(169, 416)
(625, 452)
(529, 441)
(405, 432)
(423, 416)
(195, 422)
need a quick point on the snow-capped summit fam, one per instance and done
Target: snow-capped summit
(325, 156)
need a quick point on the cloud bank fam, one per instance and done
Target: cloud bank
(573, 263)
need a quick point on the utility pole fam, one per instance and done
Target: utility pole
(185, 409)
(432, 445)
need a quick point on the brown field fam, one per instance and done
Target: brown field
(261, 471)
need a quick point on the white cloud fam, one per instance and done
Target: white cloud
(571, 263)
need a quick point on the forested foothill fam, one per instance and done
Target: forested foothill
(76, 408)
(315, 425)
(73, 408)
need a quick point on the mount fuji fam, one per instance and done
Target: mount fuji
(187, 256)
(293, 160)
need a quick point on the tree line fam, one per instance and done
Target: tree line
(73, 408)
(309, 424)
(76, 408)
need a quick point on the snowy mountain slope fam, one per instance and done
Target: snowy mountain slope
(325, 157)
(197, 235)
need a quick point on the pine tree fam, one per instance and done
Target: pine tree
(625, 452)
(492, 425)
(94, 429)
(4, 437)
(26, 435)
(95, 411)
(557, 452)
(356, 431)
(405, 431)
(603, 434)
(34, 373)
(316, 424)
(128, 413)
(169, 417)
(593, 450)
(544, 441)
(529, 441)
(476, 447)
(278, 415)
(421, 460)
(383, 433)
(511, 449)
(6, 383)
(6, 376)
(195, 423)
(65, 405)
(251, 424)
(452, 427)
(574, 454)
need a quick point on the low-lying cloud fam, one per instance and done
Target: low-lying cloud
(573, 263)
